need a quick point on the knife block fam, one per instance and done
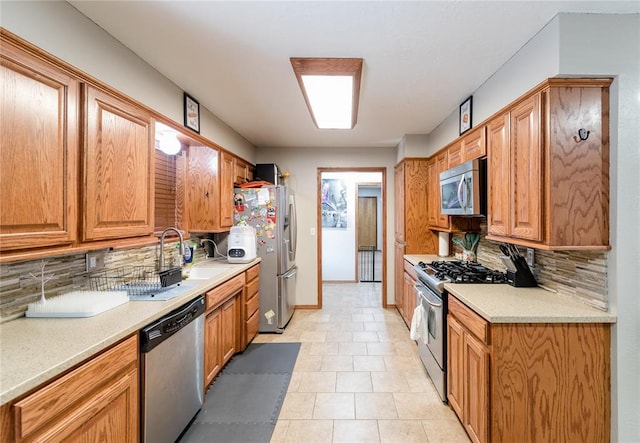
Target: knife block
(521, 279)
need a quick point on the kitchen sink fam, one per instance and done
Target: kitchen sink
(206, 272)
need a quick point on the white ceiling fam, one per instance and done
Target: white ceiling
(421, 58)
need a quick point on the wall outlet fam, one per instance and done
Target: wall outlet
(530, 257)
(95, 260)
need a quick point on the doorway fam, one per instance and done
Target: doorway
(368, 220)
(339, 221)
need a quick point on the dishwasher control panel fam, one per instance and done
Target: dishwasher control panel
(155, 333)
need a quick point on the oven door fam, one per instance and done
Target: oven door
(434, 312)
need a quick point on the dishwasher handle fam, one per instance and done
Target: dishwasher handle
(163, 328)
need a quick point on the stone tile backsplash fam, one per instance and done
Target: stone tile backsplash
(18, 287)
(579, 274)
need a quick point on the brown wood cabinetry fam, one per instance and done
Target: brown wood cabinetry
(471, 146)
(412, 235)
(227, 172)
(221, 325)
(548, 188)
(39, 155)
(118, 159)
(528, 382)
(250, 310)
(98, 401)
(202, 198)
(243, 171)
(408, 297)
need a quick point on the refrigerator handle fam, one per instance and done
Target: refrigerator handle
(291, 273)
(293, 228)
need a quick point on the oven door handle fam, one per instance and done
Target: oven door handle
(425, 296)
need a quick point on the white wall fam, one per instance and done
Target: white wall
(339, 245)
(61, 30)
(303, 166)
(592, 45)
(534, 62)
(412, 145)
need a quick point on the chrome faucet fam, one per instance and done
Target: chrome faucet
(170, 228)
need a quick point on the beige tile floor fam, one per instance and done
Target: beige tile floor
(358, 377)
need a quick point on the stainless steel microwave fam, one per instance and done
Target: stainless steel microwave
(463, 189)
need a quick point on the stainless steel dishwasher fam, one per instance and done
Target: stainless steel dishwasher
(172, 350)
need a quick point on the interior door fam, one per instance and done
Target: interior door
(367, 222)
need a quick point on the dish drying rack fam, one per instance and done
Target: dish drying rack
(138, 281)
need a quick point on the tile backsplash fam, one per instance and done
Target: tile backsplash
(20, 282)
(579, 274)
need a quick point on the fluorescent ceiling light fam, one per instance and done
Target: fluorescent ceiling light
(331, 89)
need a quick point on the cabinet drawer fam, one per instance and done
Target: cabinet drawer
(408, 268)
(252, 288)
(472, 321)
(220, 293)
(34, 411)
(253, 272)
(252, 326)
(252, 305)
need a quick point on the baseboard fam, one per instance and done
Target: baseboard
(307, 307)
(339, 281)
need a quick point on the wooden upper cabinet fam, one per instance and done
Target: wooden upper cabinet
(455, 154)
(474, 144)
(468, 147)
(399, 201)
(441, 166)
(227, 172)
(118, 197)
(499, 176)
(526, 170)
(243, 171)
(547, 187)
(202, 189)
(39, 155)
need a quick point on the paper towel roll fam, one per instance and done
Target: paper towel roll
(443, 244)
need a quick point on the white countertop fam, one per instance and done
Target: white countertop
(503, 303)
(34, 350)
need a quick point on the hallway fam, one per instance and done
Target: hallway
(358, 377)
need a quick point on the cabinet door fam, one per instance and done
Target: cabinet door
(441, 166)
(499, 175)
(226, 190)
(476, 389)
(212, 346)
(228, 325)
(526, 170)
(454, 154)
(110, 415)
(455, 357)
(416, 234)
(38, 159)
(202, 198)
(474, 145)
(433, 193)
(119, 168)
(399, 201)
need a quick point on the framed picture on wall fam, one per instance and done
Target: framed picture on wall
(465, 115)
(334, 203)
(191, 113)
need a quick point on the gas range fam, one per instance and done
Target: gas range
(437, 273)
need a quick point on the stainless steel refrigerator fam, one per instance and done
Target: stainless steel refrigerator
(271, 210)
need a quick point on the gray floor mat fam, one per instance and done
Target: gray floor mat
(244, 398)
(264, 358)
(243, 403)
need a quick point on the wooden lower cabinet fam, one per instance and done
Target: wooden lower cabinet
(250, 310)
(98, 401)
(528, 382)
(222, 326)
(408, 297)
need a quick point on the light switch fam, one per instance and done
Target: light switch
(312, 231)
